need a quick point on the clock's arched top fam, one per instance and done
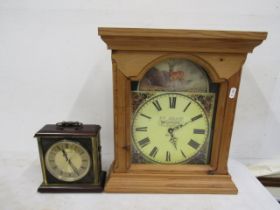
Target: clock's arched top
(175, 74)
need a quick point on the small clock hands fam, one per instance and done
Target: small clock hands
(68, 160)
(73, 167)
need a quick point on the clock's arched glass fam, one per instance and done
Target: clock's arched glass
(173, 108)
(175, 74)
(67, 161)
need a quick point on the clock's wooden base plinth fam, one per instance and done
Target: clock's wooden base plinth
(65, 188)
(169, 183)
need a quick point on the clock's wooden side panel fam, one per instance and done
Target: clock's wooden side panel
(120, 118)
(230, 106)
(218, 127)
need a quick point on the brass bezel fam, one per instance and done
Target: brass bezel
(96, 169)
(67, 179)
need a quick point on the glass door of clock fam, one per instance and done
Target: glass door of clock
(173, 108)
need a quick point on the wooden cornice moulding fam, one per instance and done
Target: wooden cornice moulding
(181, 40)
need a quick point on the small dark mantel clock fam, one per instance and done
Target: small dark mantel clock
(175, 94)
(70, 155)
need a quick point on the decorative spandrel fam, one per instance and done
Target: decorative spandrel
(173, 107)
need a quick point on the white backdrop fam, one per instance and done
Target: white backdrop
(54, 66)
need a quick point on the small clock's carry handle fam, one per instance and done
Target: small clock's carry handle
(69, 124)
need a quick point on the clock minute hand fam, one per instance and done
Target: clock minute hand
(181, 125)
(70, 162)
(73, 167)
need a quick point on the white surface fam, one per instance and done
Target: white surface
(54, 66)
(20, 177)
(275, 191)
(266, 167)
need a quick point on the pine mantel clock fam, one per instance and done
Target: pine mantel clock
(175, 95)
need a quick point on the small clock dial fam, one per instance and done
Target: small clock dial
(67, 161)
(169, 128)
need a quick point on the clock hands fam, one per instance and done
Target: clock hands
(191, 120)
(181, 125)
(173, 140)
(73, 167)
(68, 160)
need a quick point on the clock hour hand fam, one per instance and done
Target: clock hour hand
(173, 139)
(65, 155)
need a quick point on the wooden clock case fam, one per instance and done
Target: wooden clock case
(88, 136)
(134, 52)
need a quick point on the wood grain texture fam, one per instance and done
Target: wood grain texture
(180, 40)
(169, 183)
(229, 113)
(134, 51)
(120, 106)
(219, 67)
(181, 33)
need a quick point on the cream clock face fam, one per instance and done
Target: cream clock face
(67, 161)
(169, 128)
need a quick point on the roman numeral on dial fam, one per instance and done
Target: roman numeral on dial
(157, 105)
(193, 144)
(197, 117)
(198, 131)
(141, 129)
(146, 116)
(144, 142)
(154, 152)
(183, 154)
(168, 156)
(172, 102)
(185, 109)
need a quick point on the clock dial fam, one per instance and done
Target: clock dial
(169, 128)
(67, 161)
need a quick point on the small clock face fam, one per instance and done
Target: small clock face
(67, 161)
(169, 128)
